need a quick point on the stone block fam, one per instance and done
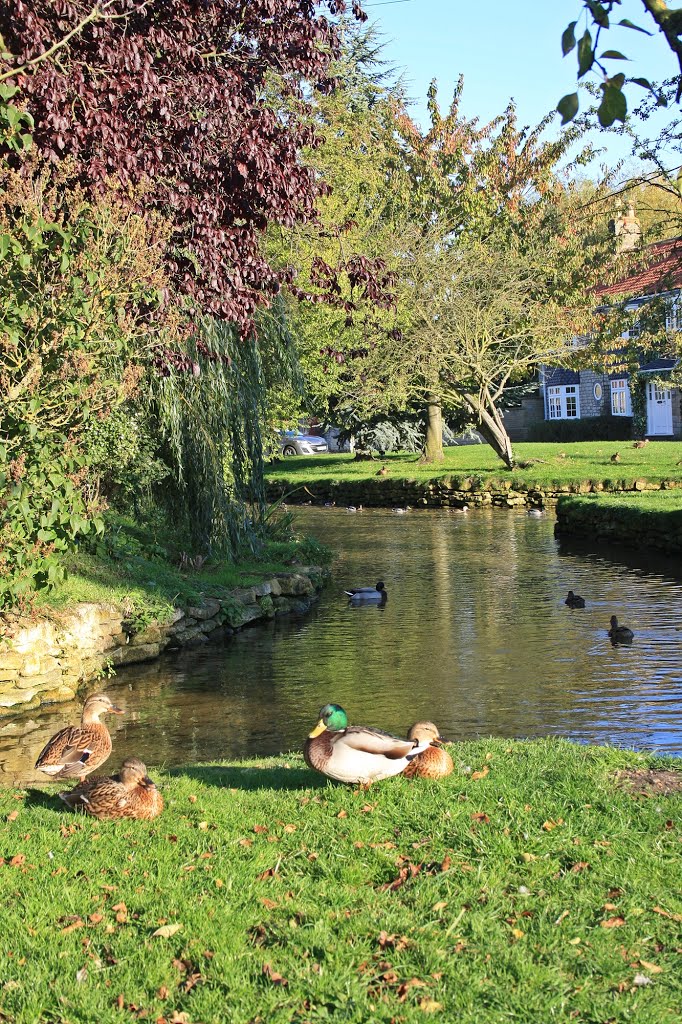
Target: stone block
(245, 595)
(129, 655)
(150, 635)
(295, 585)
(275, 589)
(263, 589)
(41, 682)
(208, 609)
(238, 615)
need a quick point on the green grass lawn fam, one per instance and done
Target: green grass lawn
(556, 464)
(527, 887)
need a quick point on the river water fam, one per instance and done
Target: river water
(475, 635)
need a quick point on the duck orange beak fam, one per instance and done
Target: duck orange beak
(116, 711)
(318, 730)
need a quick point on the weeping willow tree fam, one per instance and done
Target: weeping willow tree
(211, 409)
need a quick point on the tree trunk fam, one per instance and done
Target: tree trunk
(433, 446)
(491, 427)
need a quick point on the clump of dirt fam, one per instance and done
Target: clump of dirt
(650, 781)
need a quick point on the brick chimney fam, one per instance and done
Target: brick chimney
(626, 228)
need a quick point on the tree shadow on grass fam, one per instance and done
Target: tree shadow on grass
(227, 777)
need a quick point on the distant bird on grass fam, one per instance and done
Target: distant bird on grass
(373, 595)
(574, 600)
(432, 763)
(615, 457)
(620, 634)
(640, 444)
(382, 472)
(128, 794)
(356, 753)
(77, 750)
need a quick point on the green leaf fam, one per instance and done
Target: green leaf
(599, 13)
(585, 54)
(626, 23)
(568, 107)
(617, 81)
(644, 82)
(613, 106)
(568, 38)
(613, 55)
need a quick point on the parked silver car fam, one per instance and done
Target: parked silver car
(292, 443)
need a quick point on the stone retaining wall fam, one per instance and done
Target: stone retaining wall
(448, 492)
(50, 659)
(620, 524)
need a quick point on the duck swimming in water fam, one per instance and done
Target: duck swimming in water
(375, 595)
(356, 754)
(574, 600)
(620, 634)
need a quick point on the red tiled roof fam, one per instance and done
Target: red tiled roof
(662, 272)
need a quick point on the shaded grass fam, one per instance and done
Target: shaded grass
(581, 461)
(477, 899)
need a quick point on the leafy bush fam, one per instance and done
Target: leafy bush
(42, 514)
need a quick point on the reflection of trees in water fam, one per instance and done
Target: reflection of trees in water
(475, 635)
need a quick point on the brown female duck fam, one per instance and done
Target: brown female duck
(77, 750)
(432, 763)
(128, 794)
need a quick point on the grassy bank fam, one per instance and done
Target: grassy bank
(526, 887)
(548, 465)
(652, 518)
(137, 570)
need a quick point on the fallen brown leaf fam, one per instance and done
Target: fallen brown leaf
(268, 904)
(666, 913)
(429, 1005)
(274, 976)
(166, 930)
(12, 816)
(481, 816)
(482, 774)
(612, 922)
(260, 828)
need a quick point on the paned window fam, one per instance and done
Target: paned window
(620, 398)
(563, 402)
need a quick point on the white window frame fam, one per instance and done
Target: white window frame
(673, 315)
(621, 404)
(563, 402)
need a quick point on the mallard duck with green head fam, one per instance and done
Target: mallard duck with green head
(354, 753)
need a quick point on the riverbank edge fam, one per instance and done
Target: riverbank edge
(633, 525)
(448, 492)
(49, 657)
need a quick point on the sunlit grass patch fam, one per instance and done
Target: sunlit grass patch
(527, 886)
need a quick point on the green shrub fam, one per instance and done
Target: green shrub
(592, 428)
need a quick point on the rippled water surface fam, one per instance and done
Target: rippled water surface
(475, 635)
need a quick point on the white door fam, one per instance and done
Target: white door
(659, 410)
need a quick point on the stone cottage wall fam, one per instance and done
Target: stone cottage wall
(589, 405)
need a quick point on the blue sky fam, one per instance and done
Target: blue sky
(508, 48)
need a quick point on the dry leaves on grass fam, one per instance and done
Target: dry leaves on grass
(666, 913)
(480, 774)
(166, 930)
(273, 976)
(394, 941)
(612, 922)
